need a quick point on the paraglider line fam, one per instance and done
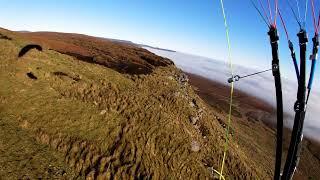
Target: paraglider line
(295, 15)
(226, 145)
(255, 73)
(284, 25)
(314, 17)
(319, 21)
(265, 12)
(305, 13)
(269, 5)
(298, 7)
(276, 13)
(263, 18)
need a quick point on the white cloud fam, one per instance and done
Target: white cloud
(261, 86)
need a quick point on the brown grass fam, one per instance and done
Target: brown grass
(124, 58)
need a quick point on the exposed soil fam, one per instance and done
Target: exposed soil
(5, 37)
(31, 76)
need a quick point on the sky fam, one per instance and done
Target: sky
(190, 26)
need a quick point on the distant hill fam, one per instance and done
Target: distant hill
(142, 45)
(121, 41)
(23, 31)
(122, 56)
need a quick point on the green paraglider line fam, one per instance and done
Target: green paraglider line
(226, 145)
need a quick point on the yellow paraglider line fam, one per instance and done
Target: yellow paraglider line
(226, 145)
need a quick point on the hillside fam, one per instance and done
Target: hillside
(255, 131)
(81, 119)
(122, 56)
(95, 108)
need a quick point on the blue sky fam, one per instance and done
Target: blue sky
(191, 26)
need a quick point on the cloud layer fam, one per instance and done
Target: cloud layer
(261, 86)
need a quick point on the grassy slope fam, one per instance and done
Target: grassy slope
(252, 134)
(80, 120)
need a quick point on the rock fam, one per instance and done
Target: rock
(200, 113)
(195, 146)
(182, 79)
(177, 94)
(192, 104)
(194, 120)
(103, 112)
(25, 124)
(171, 77)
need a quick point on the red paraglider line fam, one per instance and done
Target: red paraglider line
(265, 11)
(284, 25)
(258, 10)
(276, 13)
(269, 5)
(314, 17)
(318, 22)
